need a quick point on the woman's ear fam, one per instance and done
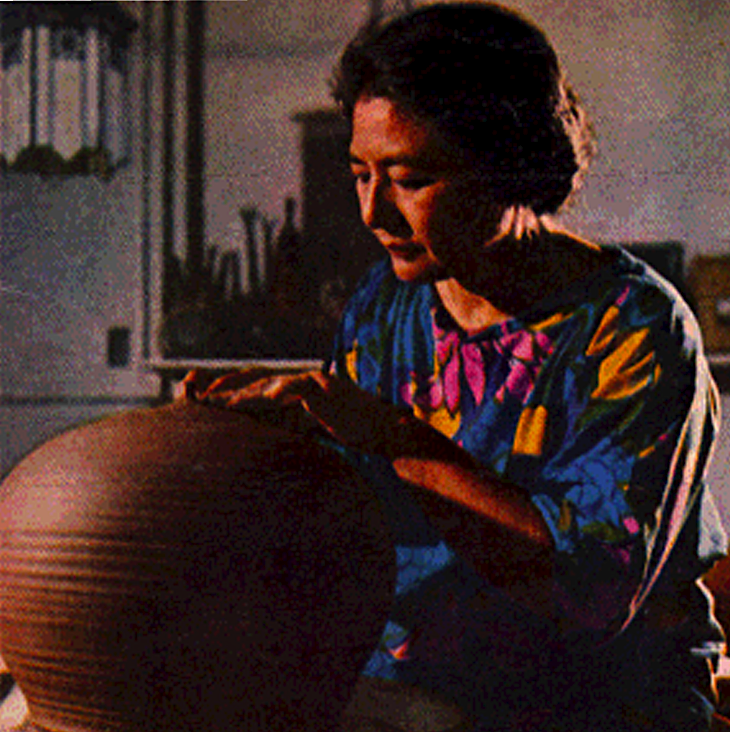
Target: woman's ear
(518, 222)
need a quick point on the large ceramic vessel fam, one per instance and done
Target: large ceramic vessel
(189, 568)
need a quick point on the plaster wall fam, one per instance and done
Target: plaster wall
(653, 73)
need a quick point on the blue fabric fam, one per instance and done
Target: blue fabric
(599, 402)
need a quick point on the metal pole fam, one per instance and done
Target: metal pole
(168, 155)
(195, 153)
(146, 178)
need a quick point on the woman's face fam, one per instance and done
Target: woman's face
(421, 197)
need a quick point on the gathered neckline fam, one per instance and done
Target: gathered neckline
(578, 291)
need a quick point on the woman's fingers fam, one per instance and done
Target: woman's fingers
(204, 385)
(278, 401)
(197, 383)
(306, 401)
(192, 385)
(235, 380)
(295, 401)
(234, 390)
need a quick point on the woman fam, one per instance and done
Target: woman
(534, 410)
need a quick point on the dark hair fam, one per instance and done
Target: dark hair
(490, 81)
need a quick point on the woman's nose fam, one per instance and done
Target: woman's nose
(379, 211)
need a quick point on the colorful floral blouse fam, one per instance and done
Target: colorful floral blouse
(599, 402)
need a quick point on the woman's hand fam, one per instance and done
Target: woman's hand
(491, 523)
(234, 391)
(314, 400)
(198, 381)
(335, 405)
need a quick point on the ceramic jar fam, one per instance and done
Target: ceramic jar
(189, 568)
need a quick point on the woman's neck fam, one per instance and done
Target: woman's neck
(517, 273)
(470, 311)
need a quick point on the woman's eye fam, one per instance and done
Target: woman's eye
(361, 176)
(415, 183)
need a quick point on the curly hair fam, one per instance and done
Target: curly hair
(489, 80)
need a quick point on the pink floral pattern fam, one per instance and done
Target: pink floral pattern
(526, 351)
(571, 407)
(460, 359)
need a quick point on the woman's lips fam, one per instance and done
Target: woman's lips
(404, 251)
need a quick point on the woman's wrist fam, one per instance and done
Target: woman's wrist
(414, 439)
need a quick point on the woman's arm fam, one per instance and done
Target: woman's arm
(491, 523)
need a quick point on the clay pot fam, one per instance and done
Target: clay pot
(189, 568)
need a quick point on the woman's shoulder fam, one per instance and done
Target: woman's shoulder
(649, 295)
(639, 308)
(612, 272)
(627, 299)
